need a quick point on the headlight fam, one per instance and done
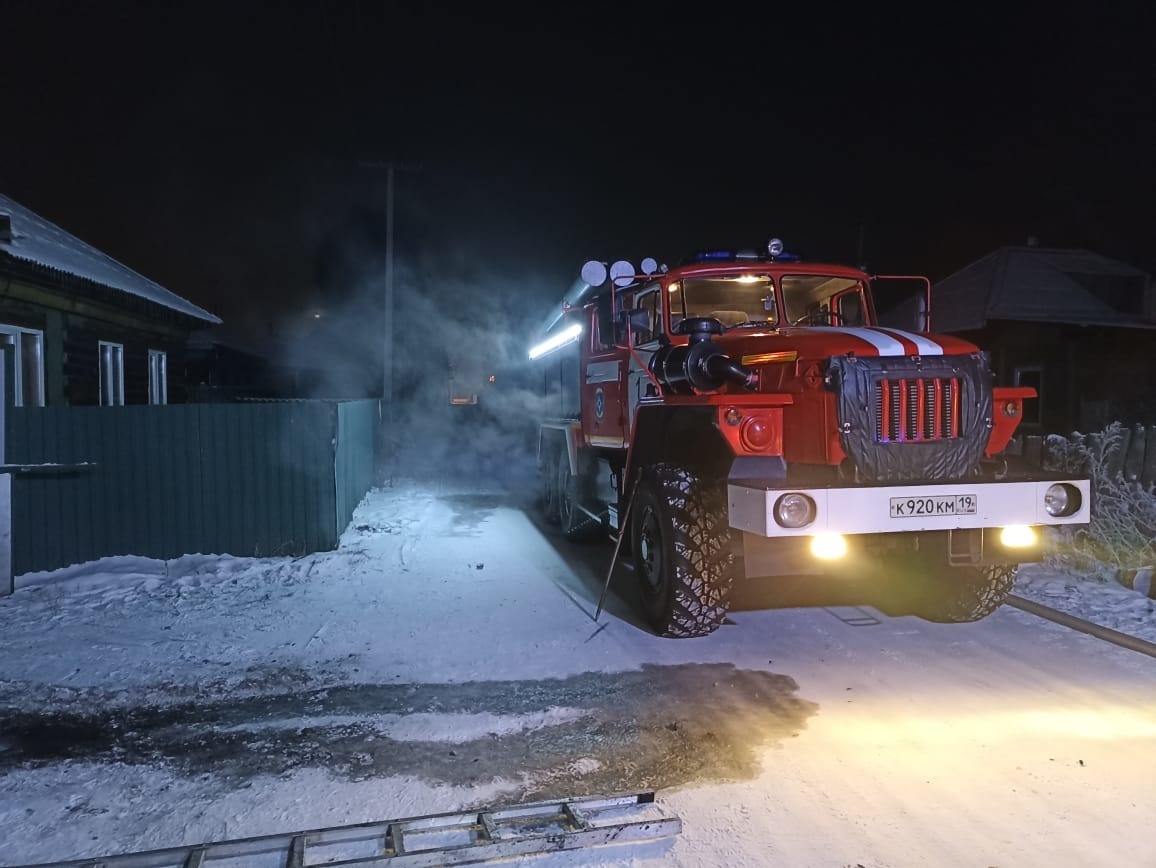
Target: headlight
(794, 510)
(1061, 499)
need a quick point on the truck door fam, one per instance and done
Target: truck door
(640, 386)
(603, 380)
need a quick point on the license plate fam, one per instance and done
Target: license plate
(940, 504)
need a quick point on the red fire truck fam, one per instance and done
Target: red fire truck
(744, 414)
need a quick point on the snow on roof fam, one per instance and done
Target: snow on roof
(1042, 285)
(35, 240)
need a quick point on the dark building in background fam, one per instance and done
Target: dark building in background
(222, 368)
(79, 328)
(1077, 326)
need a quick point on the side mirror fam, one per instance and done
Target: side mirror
(638, 321)
(902, 301)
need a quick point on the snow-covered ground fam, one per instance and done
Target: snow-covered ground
(446, 657)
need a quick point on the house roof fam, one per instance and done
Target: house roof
(1034, 284)
(36, 241)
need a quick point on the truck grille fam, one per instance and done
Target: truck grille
(916, 410)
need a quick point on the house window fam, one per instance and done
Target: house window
(1033, 377)
(111, 374)
(28, 355)
(158, 377)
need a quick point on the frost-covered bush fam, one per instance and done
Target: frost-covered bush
(1122, 532)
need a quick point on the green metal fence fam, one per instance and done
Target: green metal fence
(248, 479)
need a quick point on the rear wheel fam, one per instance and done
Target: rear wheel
(682, 549)
(571, 492)
(548, 481)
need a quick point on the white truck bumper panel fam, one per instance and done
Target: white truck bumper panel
(903, 508)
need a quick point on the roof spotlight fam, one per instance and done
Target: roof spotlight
(775, 247)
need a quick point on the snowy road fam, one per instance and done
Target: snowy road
(446, 657)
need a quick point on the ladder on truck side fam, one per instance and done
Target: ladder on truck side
(431, 840)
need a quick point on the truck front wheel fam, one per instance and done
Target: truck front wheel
(934, 590)
(682, 549)
(960, 594)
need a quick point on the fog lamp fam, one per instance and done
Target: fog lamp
(1061, 499)
(794, 510)
(828, 546)
(1017, 536)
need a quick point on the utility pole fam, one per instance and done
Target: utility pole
(391, 167)
(387, 354)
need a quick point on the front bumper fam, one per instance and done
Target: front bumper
(871, 508)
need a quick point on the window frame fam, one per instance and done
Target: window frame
(817, 303)
(18, 333)
(161, 376)
(118, 372)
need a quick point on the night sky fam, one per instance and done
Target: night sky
(221, 148)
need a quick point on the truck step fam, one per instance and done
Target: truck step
(431, 840)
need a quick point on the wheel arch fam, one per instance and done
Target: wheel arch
(556, 433)
(680, 436)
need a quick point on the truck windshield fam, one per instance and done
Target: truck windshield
(743, 301)
(817, 299)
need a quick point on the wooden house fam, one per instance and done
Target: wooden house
(81, 328)
(1077, 326)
